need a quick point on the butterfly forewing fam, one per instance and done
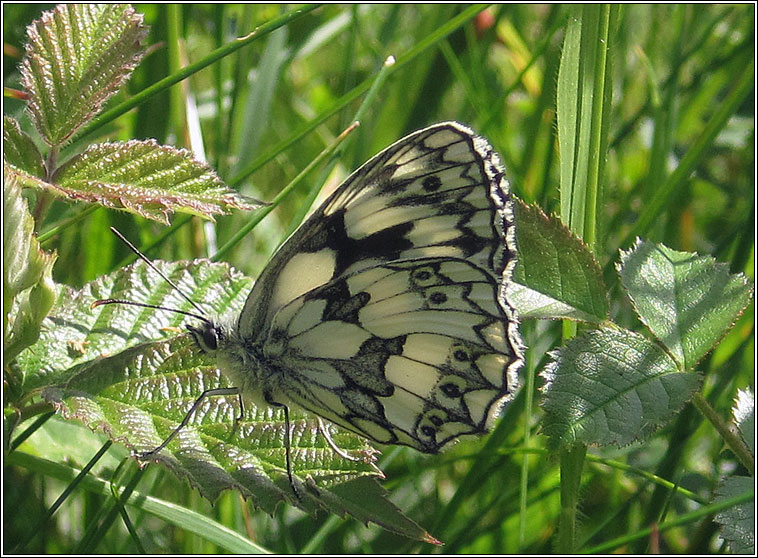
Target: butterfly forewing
(386, 311)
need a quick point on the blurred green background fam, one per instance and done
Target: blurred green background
(497, 70)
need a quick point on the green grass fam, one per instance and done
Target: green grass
(665, 152)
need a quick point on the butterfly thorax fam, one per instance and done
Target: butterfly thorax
(241, 361)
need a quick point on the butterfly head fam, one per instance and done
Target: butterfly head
(238, 361)
(209, 336)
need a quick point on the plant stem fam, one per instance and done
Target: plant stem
(584, 85)
(572, 462)
(731, 438)
(45, 198)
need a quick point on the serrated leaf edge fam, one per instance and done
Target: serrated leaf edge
(28, 78)
(623, 257)
(162, 202)
(548, 373)
(555, 221)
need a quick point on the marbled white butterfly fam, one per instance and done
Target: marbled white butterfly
(387, 311)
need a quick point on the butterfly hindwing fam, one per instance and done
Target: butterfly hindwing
(386, 311)
(411, 353)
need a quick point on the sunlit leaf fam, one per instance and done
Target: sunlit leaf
(688, 301)
(19, 149)
(611, 387)
(148, 179)
(78, 56)
(28, 289)
(556, 275)
(74, 334)
(138, 391)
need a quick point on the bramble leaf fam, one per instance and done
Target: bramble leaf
(556, 276)
(19, 150)
(112, 368)
(77, 57)
(611, 387)
(148, 179)
(688, 301)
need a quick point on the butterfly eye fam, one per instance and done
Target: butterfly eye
(205, 336)
(210, 338)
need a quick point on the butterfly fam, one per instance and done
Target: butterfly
(386, 312)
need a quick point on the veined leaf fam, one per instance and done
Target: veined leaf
(364, 494)
(114, 368)
(140, 395)
(100, 366)
(556, 275)
(19, 149)
(611, 387)
(148, 179)
(737, 523)
(74, 334)
(688, 301)
(77, 56)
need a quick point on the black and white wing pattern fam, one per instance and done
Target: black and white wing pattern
(387, 311)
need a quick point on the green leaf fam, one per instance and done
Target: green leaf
(75, 334)
(98, 366)
(28, 289)
(611, 387)
(364, 493)
(77, 57)
(738, 522)
(556, 275)
(688, 301)
(148, 179)
(19, 149)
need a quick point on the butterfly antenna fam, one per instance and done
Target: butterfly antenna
(145, 305)
(159, 272)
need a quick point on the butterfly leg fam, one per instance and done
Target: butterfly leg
(241, 414)
(207, 393)
(287, 439)
(370, 459)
